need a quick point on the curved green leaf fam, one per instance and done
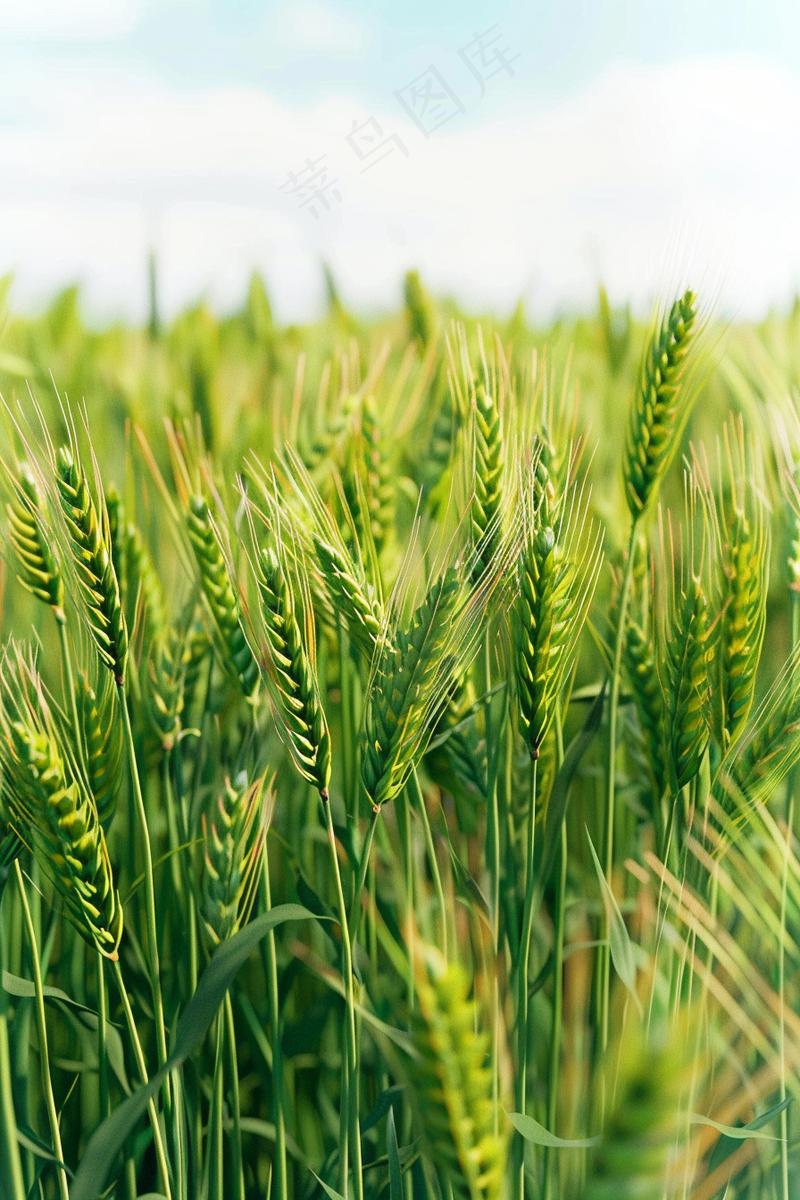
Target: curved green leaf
(622, 952)
(533, 1132)
(226, 961)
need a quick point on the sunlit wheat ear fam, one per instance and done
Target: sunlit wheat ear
(101, 729)
(684, 647)
(742, 537)
(233, 836)
(50, 808)
(557, 572)
(643, 1146)
(489, 463)
(660, 404)
(452, 1082)
(87, 528)
(37, 565)
(294, 688)
(220, 595)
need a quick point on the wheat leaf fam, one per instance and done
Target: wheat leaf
(225, 963)
(622, 952)
(533, 1132)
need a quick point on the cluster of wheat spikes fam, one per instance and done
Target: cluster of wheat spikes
(398, 753)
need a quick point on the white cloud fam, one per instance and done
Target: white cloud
(315, 27)
(542, 204)
(65, 20)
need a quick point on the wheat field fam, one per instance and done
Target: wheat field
(399, 730)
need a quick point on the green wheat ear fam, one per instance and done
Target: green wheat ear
(37, 566)
(642, 671)
(220, 596)
(420, 309)
(659, 406)
(685, 650)
(90, 544)
(51, 811)
(557, 573)
(103, 743)
(406, 691)
(295, 689)
(143, 584)
(485, 512)
(743, 549)
(166, 670)
(366, 479)
(453, 1084)
(768, 749)
(351, 595)
(687, 696)
(233, 836)
(643, 1142)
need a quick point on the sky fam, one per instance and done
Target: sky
(506, 151)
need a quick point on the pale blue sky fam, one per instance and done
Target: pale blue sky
(563, 44)
(628, 127)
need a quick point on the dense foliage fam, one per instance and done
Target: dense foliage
(399, 723)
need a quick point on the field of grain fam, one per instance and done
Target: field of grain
(399, 723)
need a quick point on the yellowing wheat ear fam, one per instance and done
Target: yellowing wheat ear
(452, 1082)
(643, 1145)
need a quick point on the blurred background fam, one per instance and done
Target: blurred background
(509, 152)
